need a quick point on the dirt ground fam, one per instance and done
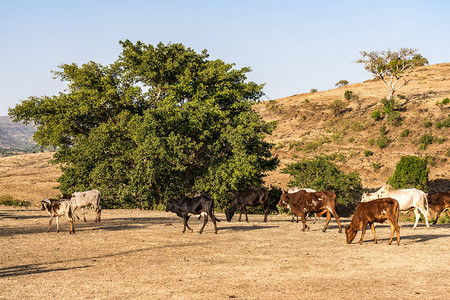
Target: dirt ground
(144, 255)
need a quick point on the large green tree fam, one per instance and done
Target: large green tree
(160, 122)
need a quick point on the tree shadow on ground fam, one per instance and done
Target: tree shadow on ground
(246, 228)
(13, 214)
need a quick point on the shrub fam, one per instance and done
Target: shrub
(368, 153)
(337, 107)
(306, 100)
(383, 139)
(376, 166)
(10, 201)
(321, 174)
(445, 101)
(401, 96)
(444, 123)
(410, 172)
(394, 118)
(427, 124)
(348, 95)
(376, 115)
(425, 140)
(314, 90)
(405, 133)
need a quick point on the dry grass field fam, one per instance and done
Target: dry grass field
(136, 254)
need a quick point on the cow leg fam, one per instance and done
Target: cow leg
(99, 212)
(50, 223)
(303, 219)
(245, 211)
(416, 213)
(373, 232)
(205, 220)
(394, 227)
(438, 214)
(363, 232)
(335, 215)
(57, 224)
(266, 211)
(425, 216)
(213, 219)
(328, 221)
(240, 214)
(315, 218)
(84, 215)
(72, 226)
(185, 219)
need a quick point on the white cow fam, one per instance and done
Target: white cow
(295, 190)
(407, 199)
(83, 199)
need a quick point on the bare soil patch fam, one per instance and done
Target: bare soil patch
(143, 255)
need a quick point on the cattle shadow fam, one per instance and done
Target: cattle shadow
(416, 238)
(246, 228)
(33, 269)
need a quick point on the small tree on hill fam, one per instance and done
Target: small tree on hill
(410, 172)
(392, 66)
(341, 83)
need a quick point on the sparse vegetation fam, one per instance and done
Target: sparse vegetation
(337, 107)
(444, 123)
(425, 140)
(427, 124)
(348, 94)
(10, 201)
(376, 115)
(383, 139)
(376, 166)
(405, 133)
(368, 153)
(313, 90)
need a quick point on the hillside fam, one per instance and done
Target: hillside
(15, 135)
(306, 127)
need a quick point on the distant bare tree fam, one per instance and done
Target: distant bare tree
(392, 66)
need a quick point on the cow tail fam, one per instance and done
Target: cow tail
(426, 200)
(397, 213)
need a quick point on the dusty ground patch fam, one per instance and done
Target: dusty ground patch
(143, 254)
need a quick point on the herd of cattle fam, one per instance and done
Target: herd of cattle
(384, 204)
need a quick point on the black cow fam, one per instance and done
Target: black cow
(249, 197)
(185, 207)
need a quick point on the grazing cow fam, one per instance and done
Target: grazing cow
(378, 210)
(83, 199)
(407, 199)
(303, 202)
(295, 190)
(57, 208)
(185, 207)
(438, 203)
(249, 197)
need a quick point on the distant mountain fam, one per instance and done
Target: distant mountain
(15, 135)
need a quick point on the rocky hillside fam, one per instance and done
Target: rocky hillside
(15, 135)
(308, 127)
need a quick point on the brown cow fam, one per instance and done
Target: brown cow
(378, 210)
(303, 202)
(439, 202)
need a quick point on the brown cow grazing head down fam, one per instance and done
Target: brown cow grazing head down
(378, 210)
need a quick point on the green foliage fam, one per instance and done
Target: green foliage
(376, 166)
(321, 174)
(348, 94)
(383, 140)
(445, 101)
(425, 140)
(400, 96)
(394, 118)
(341, 83)
(313, 90)
(376, 115)
(427, 124)
(405, 133)
(337, 107)
(445, 123)
(9, 200)
(162, 121)
(410, 172)
(306, 100)
(368, 153)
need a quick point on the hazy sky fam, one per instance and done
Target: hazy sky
(292, 46)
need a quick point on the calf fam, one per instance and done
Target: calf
(438, 203)
(378, 210)
(57, 208)
(303, 202)
(83, 199)
(295, 190)
(249, 197)
(185, 207)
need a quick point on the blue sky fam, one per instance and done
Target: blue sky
(291, 46)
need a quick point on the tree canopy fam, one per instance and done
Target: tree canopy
(392, 66)
(160, 122)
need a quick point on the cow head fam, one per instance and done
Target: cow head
(45, 204)
(284, 199)
(350, 233)
(229, 213)
(169, 205)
